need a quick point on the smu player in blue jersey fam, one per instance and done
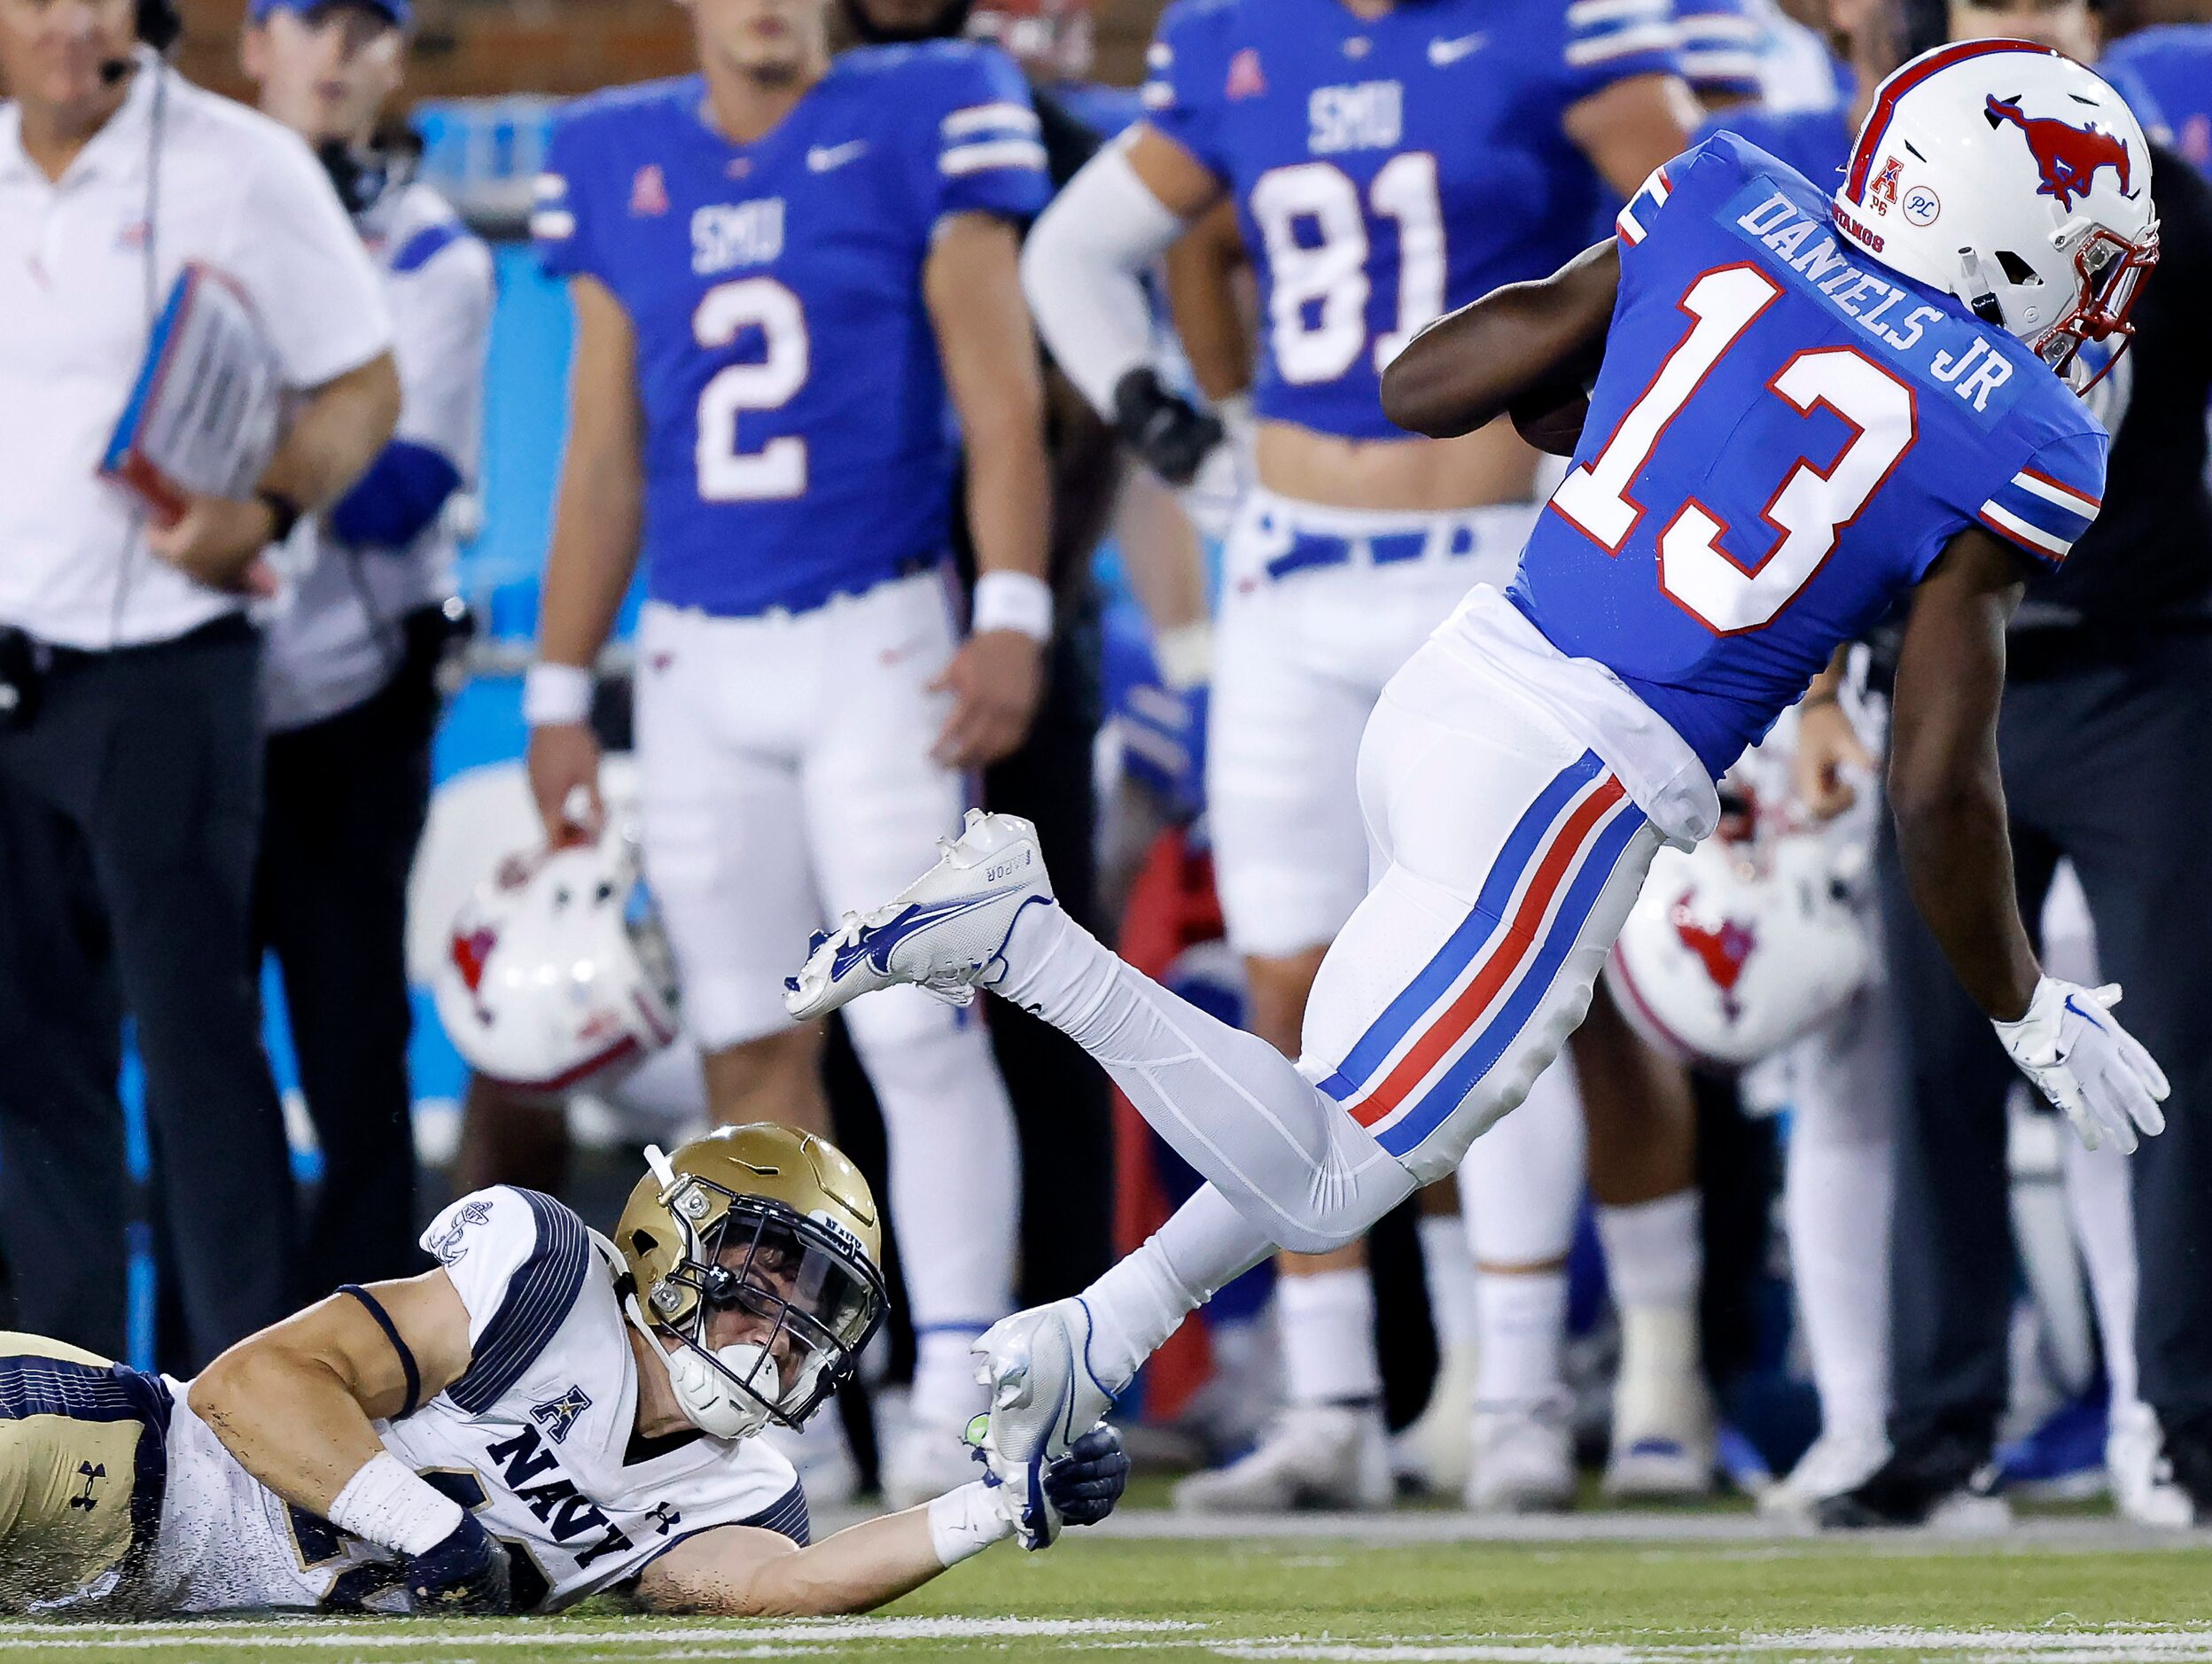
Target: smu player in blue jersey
(1805, 409)
(781, 267)
(1384, 162)
(2165, 74)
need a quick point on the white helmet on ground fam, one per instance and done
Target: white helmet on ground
(557, 976)
(2009, 175)
(1735, 949)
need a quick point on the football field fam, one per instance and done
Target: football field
(2055, 1592)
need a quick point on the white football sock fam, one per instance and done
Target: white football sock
(1837, 1188)
(1449, 1268)
(1229, 1103)
(1138, 1302)
(2100, 1202)
(953, 1195)
(1524, 1319)
(1653, 1255)
(1521, 1185)
(1327, 1322)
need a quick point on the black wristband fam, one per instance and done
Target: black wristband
(284, 513)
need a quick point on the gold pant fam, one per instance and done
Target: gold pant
(81, 1468)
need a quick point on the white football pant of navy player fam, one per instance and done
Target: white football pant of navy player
(806, 700)
(1340, 564)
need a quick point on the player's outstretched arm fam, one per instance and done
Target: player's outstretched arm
(1527, 349)
(1949, 800)
(295, 1403)
(739, 1570)
(598, 508)
(742, 1572)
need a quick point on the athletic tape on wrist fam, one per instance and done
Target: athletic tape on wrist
(555, 695)
(1013, 601)
(964, 1522)
(385, 1504)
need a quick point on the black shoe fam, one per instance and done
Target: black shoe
(1916, 1484)
(2189, 1453)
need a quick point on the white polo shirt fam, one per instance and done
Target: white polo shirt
(331, 639)
(233, 190)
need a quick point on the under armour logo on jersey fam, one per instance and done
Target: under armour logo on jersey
(1246, 78)
(649, 191)
(557, 1416)
(2066, 156)
(664, 1519)
(92, 1474)
(824, 158)
(1444, 54)
(445, 1247)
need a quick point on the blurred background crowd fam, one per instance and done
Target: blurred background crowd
(1784, 1225)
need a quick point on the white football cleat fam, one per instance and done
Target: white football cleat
(1312, 1456)
(1523, 1460)
(1663, 1438)
(1841, 1459)
(942, 932)
(1043, 1395)
(2143, 1486)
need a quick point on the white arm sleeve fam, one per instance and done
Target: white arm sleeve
(1082, 270)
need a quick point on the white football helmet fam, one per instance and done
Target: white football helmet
(1051, 38)
(2009, 175)
(556, 976)
(1735, 949)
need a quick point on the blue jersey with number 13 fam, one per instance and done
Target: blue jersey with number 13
(1783, 438)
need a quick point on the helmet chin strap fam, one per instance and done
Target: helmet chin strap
(708, 1402)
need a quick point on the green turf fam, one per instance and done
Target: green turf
(1568, 1602)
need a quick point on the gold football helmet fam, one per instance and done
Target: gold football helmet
(778, 1226)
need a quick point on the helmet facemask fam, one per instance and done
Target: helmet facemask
(807, 1295)
(2109, 275)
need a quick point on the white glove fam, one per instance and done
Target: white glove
(2086, 1064)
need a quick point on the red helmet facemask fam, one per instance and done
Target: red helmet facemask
(2112, 271)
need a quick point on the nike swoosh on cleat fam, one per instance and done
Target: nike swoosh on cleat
(875, 945)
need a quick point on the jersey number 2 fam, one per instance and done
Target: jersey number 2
(1807, 512)
(778, 468)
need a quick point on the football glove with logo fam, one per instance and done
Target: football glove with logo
(2079, 1057)
(464, 1574)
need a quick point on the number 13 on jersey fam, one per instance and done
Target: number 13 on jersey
(1809, 509)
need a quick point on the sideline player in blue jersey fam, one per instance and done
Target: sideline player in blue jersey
(1805, 409)
(1385, 163)
(781, 267)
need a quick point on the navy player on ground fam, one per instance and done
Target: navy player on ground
(780, 267)
(1385, 163)
(1804, 409)
(541, 1418)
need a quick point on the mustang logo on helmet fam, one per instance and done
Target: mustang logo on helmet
(2067, 156)
(1722, 951)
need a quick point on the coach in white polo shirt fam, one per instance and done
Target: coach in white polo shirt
(130, 746)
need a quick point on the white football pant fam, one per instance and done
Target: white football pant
(785, 778)
(1300, 659)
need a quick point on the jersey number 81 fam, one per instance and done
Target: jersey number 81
(1330, 275)
(1809, 510)
(778, 468)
